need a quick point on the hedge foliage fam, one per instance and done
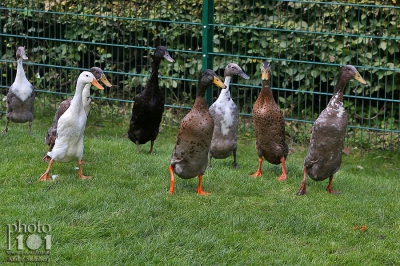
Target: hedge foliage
(307, 42)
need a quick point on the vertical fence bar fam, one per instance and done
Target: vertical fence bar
(207, 41)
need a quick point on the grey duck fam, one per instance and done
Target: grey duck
(148, 107)
(328, 134)
(269, 126)
(51, 135)
(226, 119)
(193, 141)
(20, 96)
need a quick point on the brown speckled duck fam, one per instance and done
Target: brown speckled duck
(328, 134)
(226, 119)
(51, 135)
(148, 108)
(269, 126)
(20, 96)
(190, 155)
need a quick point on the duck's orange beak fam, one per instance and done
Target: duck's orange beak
(97, 84)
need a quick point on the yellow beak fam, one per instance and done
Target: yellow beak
(218, 82)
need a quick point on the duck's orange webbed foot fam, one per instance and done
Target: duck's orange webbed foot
(200, 190)
(45, 177)
(259, 172)
(283, 175)
(172, 184)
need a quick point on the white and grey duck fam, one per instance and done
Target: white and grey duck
(269, 126)
(190, 156)
(226, 119)
(20, 96)
(328, 134)
(70, 129)
(148, 106)
(64, 105)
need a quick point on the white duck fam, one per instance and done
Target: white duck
(70, 129)
(51, 135)
(226, 119)
(20, 96)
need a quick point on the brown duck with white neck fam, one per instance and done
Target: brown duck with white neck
(328, 134)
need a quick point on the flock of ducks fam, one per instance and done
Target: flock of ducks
(204, 133)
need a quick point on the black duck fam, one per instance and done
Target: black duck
(148, 108)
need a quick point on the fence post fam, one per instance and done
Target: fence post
(207, 42)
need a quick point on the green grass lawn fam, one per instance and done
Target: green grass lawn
(125, 216)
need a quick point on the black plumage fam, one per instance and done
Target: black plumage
(148, 106)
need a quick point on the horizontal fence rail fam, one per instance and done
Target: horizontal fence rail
(307, 43)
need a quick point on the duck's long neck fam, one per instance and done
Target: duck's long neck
(86, 97)
(76, 102)
(20, 70)
(153, 79)
(200, 101)
(225, 93)
(227, 81)
(339, 88)
(266, 91)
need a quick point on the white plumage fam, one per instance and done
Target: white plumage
(70, 129)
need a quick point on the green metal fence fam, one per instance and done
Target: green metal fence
(306, 41)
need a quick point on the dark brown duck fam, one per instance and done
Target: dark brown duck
(148, 108)
(269, 126)
(190, 155)
(328, 134)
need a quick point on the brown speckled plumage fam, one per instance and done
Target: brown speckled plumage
(51, 135)
(269, 126)
(20, 96)
(193, 141)
(226, 119)
(328, 134)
